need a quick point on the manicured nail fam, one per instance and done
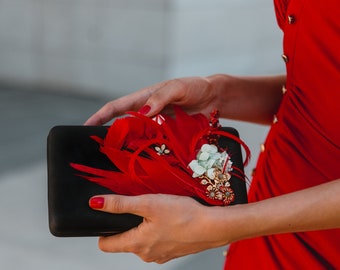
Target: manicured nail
(145, 109)
(96, 202)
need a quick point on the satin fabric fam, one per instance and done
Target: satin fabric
(302, 148)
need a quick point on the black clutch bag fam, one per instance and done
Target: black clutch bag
(68, 193)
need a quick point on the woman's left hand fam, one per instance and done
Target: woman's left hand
(176, 226)
(173, 226)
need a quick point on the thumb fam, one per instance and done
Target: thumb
(119, 204)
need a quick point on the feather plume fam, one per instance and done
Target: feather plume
(153, 157)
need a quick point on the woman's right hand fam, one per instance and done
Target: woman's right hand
(193, 94)
(252, 99)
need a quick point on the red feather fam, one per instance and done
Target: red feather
(153, 157)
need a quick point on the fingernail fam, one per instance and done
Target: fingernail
(145, 109)
(96, 202)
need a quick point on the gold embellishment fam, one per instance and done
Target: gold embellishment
(285, 58)
(218, 187)
(162, 150)
(291, 19)
(262, 147)
(275, 119)
(213, 169)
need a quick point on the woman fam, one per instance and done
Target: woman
(293, 217)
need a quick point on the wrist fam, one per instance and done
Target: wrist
(225, 88)
(221, 82)
(225, 225)
(248, 98)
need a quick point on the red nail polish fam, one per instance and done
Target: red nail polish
(145, 109)
(96, 202)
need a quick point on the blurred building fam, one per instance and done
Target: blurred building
(110, 47)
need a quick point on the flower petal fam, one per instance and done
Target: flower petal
(199, 170)
(204, 156)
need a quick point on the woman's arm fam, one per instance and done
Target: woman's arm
(253, 99)
(176, 226)
(315, 208)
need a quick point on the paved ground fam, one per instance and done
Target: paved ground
(25, 242)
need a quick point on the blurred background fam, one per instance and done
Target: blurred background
(61, 60)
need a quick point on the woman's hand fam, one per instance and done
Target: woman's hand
(194, 94)
(253, 99)
(176, 226)
(173, 226)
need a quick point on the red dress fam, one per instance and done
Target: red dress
(303, 146)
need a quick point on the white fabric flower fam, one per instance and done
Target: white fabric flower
(208, 158)
(210, 148)
(196, 168)
(204, 156)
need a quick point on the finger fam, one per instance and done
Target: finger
(133, 241)
(164, 94)
(118, 107)
(150, 101)
(119, 204)
(105, 114)
(123, 242)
